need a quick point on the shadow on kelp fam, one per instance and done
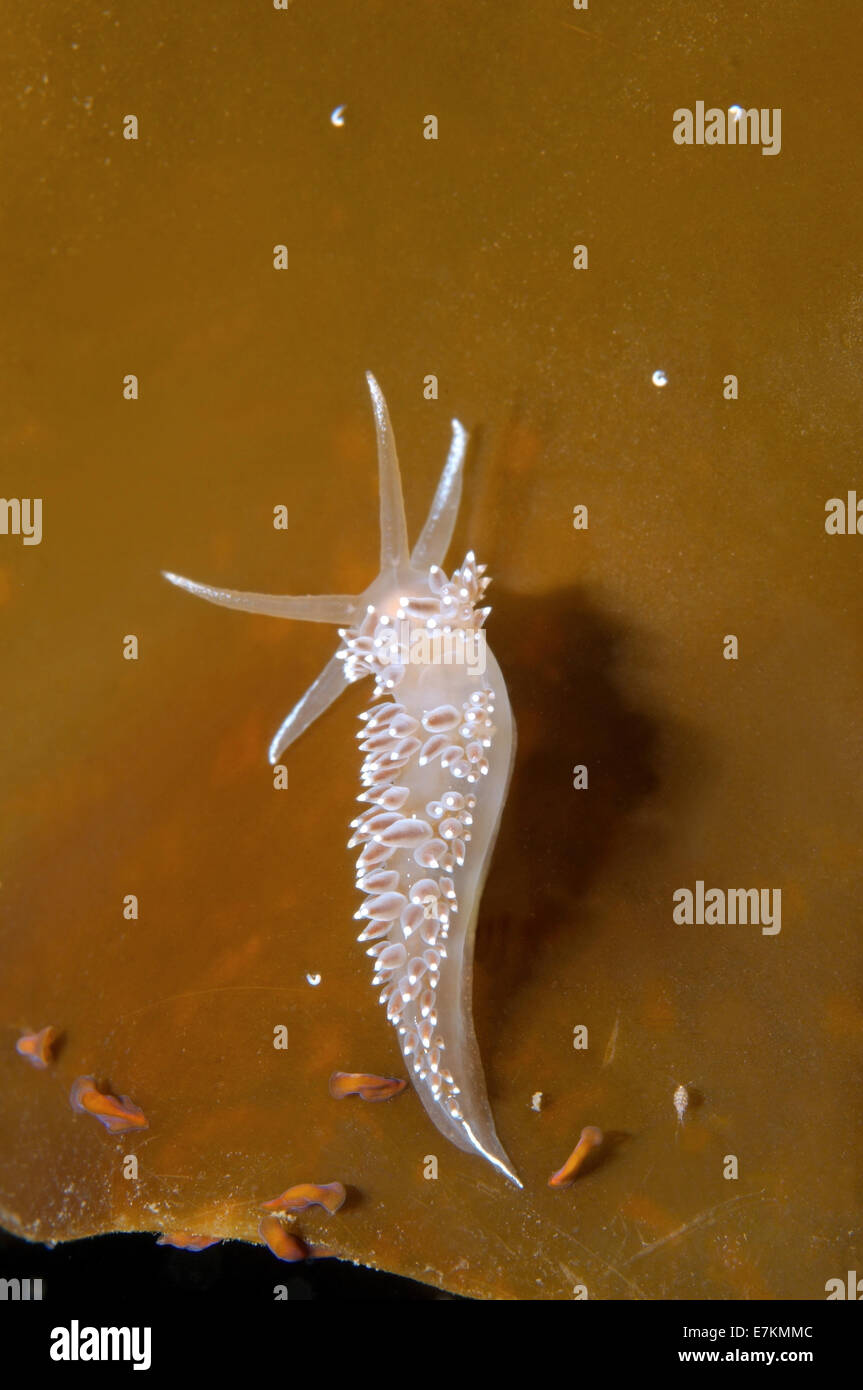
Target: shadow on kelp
(563, 659)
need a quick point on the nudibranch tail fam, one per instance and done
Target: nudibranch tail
(438, 742)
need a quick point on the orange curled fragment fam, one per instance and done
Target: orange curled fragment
(283, 1245)
(38, 1048)
(364, 1084)
(184, 1240)
(590, 1139)
(117, 1113)
(330, 1195)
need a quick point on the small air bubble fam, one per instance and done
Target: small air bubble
(313, 979)
(659, 378)
(337, 117)
(736, 112)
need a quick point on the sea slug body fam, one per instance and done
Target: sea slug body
(438, 743)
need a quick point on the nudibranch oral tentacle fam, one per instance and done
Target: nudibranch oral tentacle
(438, 740)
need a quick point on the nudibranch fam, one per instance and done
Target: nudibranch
(438, 743)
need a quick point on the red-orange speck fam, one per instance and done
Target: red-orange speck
(279, 1239)
(365, 1085)
(117, 1113)
(590, 1139)
(330, 1195)
(38, 1048)
(184, 1240)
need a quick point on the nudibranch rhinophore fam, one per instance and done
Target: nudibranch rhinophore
(438, 742)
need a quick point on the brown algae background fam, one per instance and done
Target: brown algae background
(450, 257)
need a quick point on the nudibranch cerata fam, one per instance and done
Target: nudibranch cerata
(438, 743)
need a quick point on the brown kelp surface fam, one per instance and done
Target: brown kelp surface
(148, 777)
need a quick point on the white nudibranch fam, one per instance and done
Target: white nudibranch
(438, 742)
